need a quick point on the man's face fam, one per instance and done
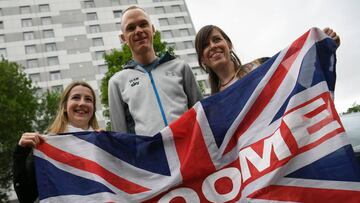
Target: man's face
(137, 31)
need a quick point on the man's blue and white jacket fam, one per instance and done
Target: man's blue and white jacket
(144, 99)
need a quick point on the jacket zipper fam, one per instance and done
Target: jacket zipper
(155, 90)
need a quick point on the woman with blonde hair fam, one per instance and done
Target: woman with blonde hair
(76, 112)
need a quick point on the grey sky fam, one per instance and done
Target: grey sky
(262, 28)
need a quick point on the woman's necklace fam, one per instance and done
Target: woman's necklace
(231, 79)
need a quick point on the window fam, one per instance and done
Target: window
(50, 47)
(184, 32)
(55, 75)
(118, 26)
(30, 49)
(28, 35)
(132, 1)
(89, 4)
(94, 28)
(27, 22)
(166, 34)
(1, 12)
(57, 88)
(197, 71)
(32, 63)
(99, 55)
(46, 20)
(188, 44)
(103, 68)
(117, 14)
(180, 20)
(3, 53)
(163, 21)
(2, 38)
(1, 25)
(44, 8)
(25, 9)
(176, 8)
(53, 60)
(97, 41)
(35, 77)
(48, 33)
(91, 16)
(192, 57)
(159, 10)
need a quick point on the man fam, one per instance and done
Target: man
(149, 92)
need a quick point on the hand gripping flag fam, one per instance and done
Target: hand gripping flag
(272, 136)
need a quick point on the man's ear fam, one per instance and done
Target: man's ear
(122, 38)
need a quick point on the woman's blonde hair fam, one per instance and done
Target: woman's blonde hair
(61, 120)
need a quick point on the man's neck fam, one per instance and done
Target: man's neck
(145, 58)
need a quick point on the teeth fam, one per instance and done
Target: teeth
(80, 111)
(214, 55)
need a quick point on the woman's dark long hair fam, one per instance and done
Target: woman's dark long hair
(201, 41)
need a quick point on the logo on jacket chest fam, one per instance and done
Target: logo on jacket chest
(134, 81)
(170, 73)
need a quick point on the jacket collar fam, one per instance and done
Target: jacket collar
(165, 58)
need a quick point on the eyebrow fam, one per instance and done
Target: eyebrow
(79, 94)
(133, 23)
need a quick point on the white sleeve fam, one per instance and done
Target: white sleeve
(116, 107)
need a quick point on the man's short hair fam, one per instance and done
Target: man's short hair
(131, 8)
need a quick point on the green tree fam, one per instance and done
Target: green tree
(46, 112)
(354, 108)
(202, 86)
(116, 60)
(18, 106)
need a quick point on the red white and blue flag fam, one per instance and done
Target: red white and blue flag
(272, 136)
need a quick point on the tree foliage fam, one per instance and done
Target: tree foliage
(46, 112)
(354, 108)
(116, 60)
(201, 87)
(18, 106)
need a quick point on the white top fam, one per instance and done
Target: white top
(70, 129)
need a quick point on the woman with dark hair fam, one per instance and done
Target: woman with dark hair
(217, 57)
(222, 64)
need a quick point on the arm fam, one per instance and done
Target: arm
(116, 107)
(191, 87)
(24, 169)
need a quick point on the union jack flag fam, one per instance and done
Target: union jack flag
(272, 136)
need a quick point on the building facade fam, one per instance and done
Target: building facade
(59, 41)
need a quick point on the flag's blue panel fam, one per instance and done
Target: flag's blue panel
(340, 165)
(66, 183)
(140, 151)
